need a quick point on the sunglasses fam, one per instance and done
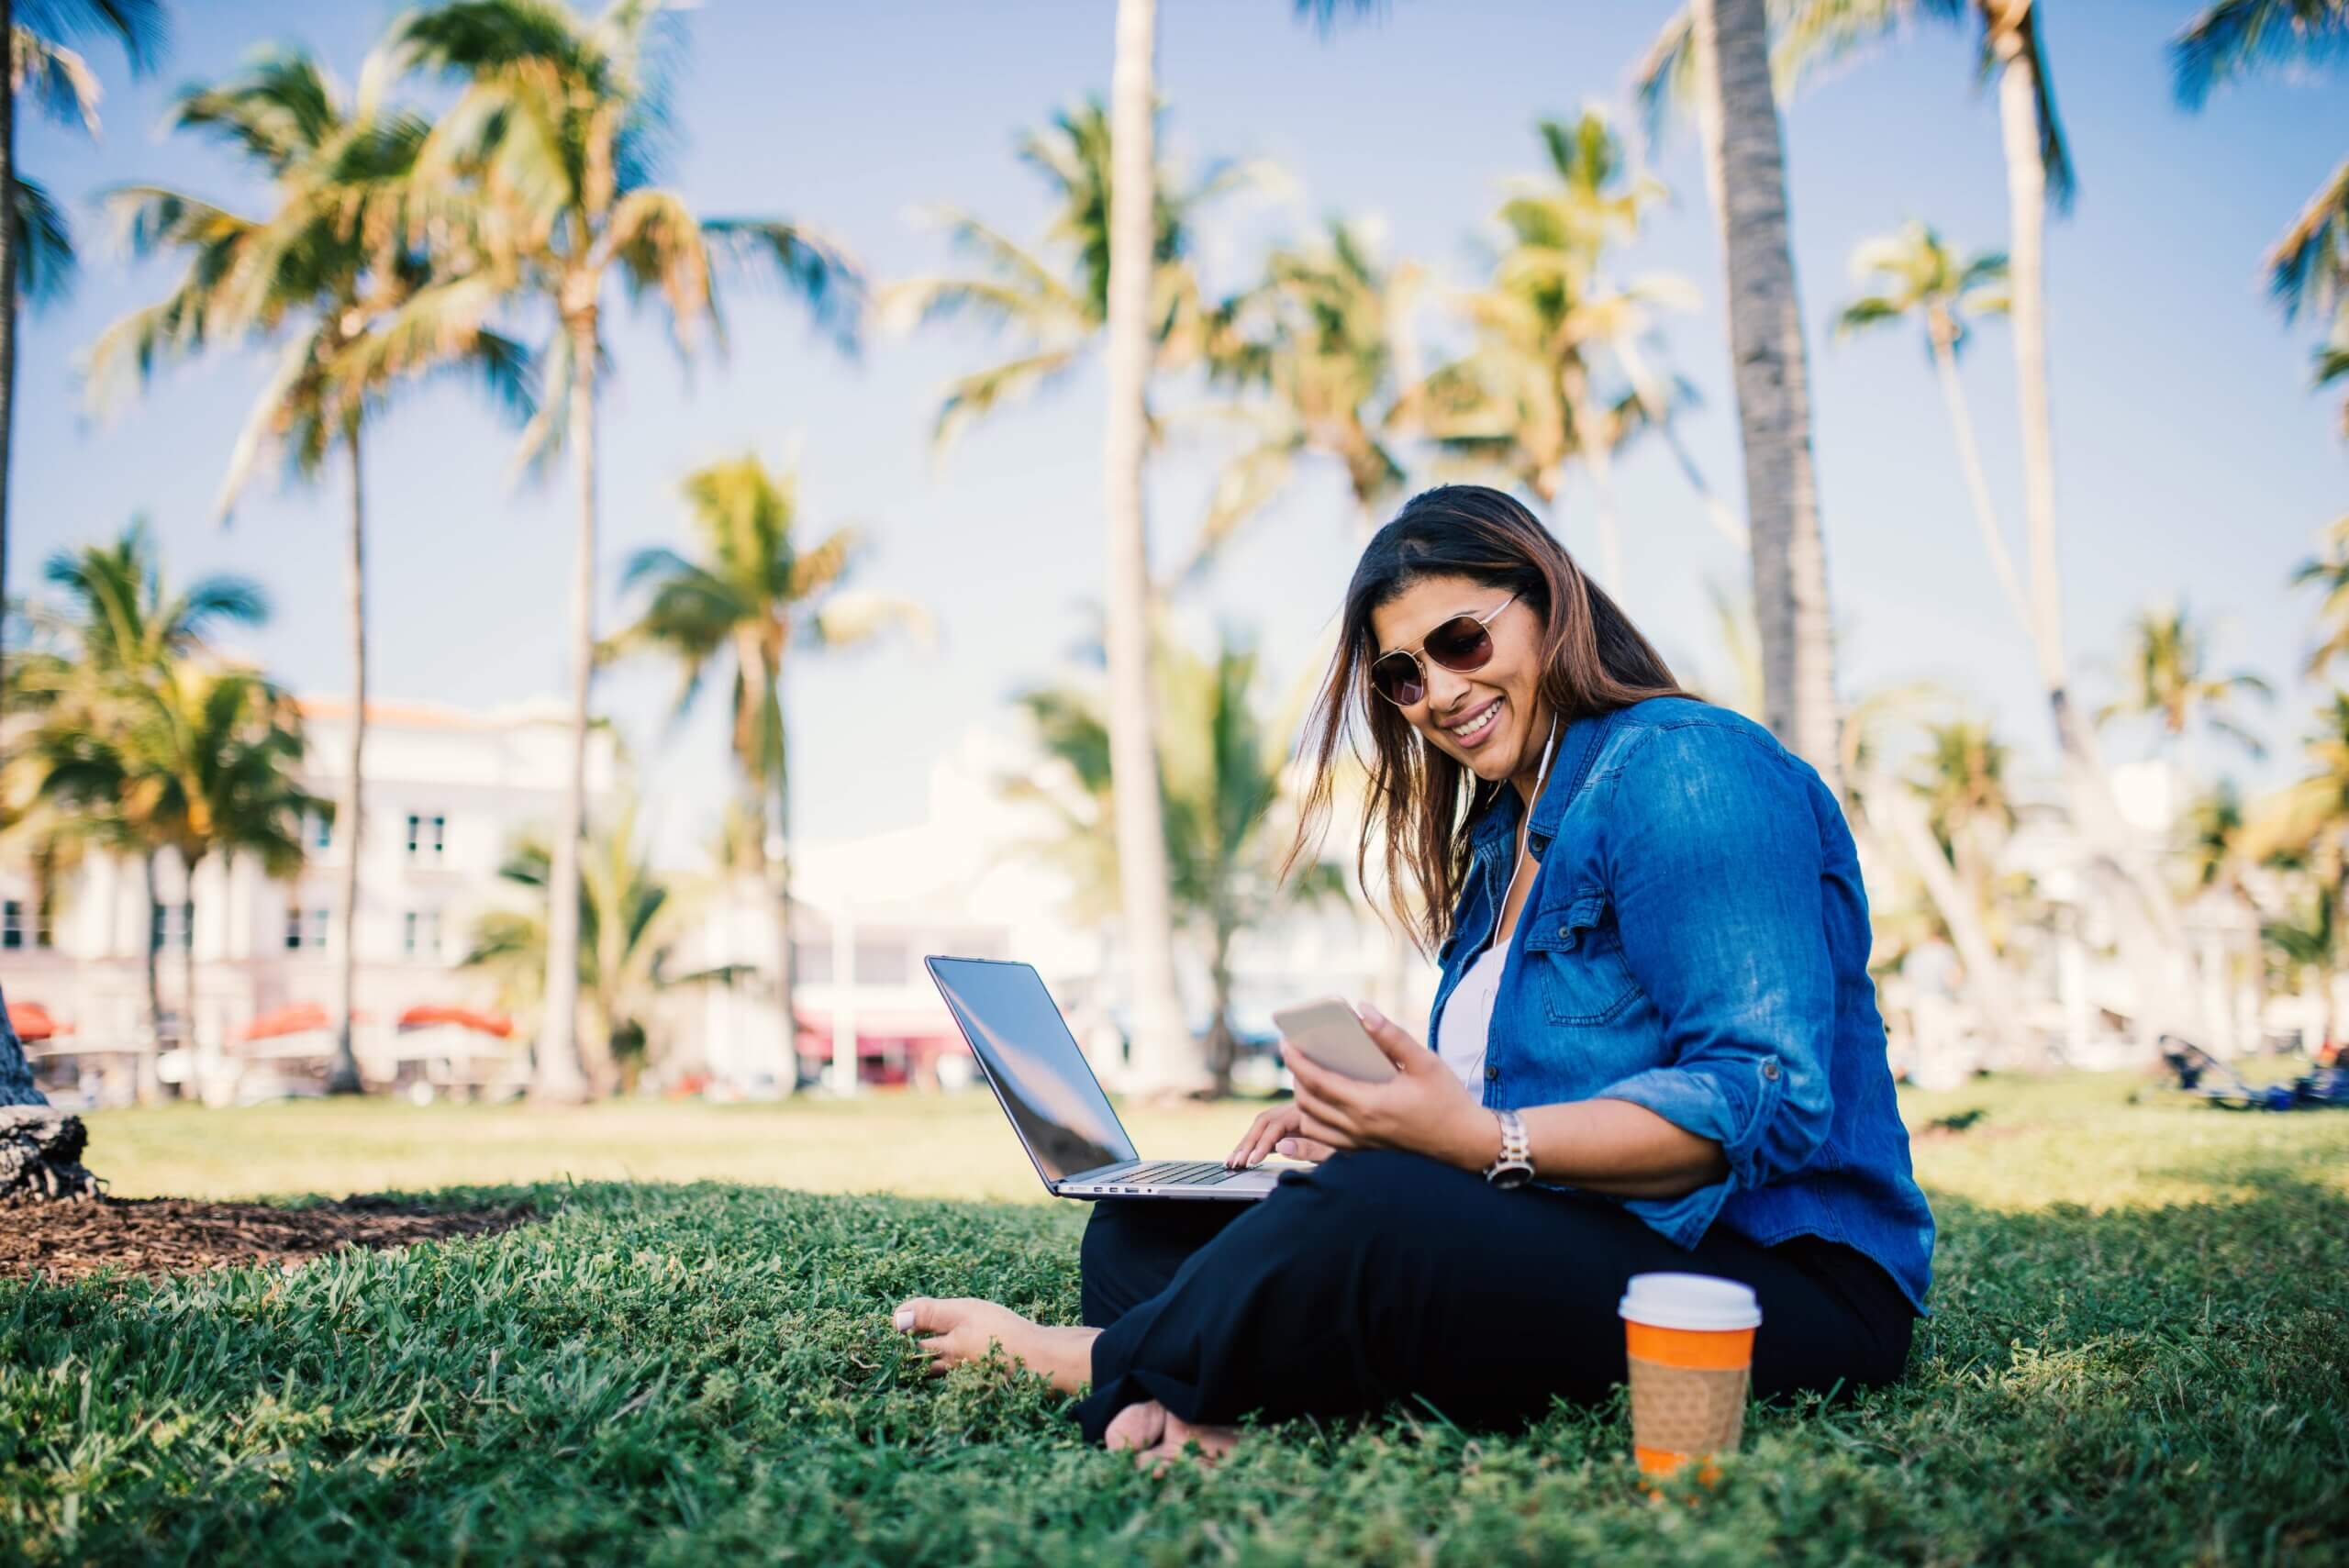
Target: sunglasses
(1461, 645)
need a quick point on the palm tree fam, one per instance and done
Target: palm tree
(1526, 399)
(629, 920)
(1322, 345)
(2307, 267)
(1888, 811)
(1913, 272)
(1719, 51)
(36, 260)
(1128, 225)
(36, 241)
(557, 135)
(212, 759)
(329, 273)
(196, 761)
(122, 632)
(2167, 675)
(1053, 297)
(2306, 823)
(755, 594)
(1224, 765)
(2039, 172)
(2329, 569)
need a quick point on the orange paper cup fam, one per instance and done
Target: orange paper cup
(1689, 1339)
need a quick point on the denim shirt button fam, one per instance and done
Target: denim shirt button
(1492, 1074)
(1770, 1068)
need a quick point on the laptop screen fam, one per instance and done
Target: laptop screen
(1054, 1102)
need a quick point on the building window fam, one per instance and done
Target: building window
(305, 929)
(420, 933)
(881, 963)
(167, 927)
(811, 962)
(318, 830)
(427, 836)
(12, 924)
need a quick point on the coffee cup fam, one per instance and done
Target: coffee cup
(1689, 1340)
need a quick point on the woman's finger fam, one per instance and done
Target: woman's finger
(1393, 1043)
(1335, 1139)
(1325, 1086)
(1249, 1138)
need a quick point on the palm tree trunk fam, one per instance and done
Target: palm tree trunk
(1223, 1046)
(7, 327)
(2146, 923)
(786, 959)
(1746, 162)
(1162, 1045)
(148, 1085)
(342, 1076)
(1977, 483)
(187, 972)
(561, 1075)
(1884, 803)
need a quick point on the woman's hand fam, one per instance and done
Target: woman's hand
(1423, 1109)
(1276, 1132)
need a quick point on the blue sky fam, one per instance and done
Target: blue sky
(2192, 459)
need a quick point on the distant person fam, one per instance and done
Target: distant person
(1655, 945)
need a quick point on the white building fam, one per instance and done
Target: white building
(448, 792)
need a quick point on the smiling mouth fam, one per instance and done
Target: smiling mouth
(1478, 725)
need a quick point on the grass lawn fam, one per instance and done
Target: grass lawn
(2139, 1354)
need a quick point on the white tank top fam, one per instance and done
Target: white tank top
(1468, 1018)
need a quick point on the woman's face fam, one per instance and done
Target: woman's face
(1492, 719)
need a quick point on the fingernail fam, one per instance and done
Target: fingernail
(1371, 1016)
(905, 1319)
(1287, 1146)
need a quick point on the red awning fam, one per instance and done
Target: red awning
(301, 1017)
(880, 1034)
(497, 1024)
(31, 1021)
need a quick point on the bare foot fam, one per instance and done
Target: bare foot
(961, 1328)
(1157, 1436)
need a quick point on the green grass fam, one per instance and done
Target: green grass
(2138, 1355)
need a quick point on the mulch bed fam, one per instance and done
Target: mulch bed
(180, 1236)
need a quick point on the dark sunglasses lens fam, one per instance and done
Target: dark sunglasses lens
(1460, 644)
(1396, 677)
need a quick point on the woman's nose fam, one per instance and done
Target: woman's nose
(1445, 688)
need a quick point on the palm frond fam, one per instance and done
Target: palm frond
(2234, 38)
(41, 244)
(818, 269)
(141, 28)
(56, 79)
(2309, 266)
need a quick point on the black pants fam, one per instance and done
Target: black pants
(1377, 1276)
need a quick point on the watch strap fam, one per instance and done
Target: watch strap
(1516, 1153)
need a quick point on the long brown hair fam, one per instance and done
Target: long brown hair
(1422, 800)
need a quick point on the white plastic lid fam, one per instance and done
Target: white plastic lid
(1690, 1301)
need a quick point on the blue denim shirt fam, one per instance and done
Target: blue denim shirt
(1696, 941)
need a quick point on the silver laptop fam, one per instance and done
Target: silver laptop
(1055, 1103)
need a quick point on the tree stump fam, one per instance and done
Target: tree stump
(41, 1155)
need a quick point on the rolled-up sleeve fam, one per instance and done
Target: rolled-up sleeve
(1713, 864)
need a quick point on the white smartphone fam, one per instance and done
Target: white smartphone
(1331, 1034)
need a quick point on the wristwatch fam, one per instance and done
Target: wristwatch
(1515, 1166)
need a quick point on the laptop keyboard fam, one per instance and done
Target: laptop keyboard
(1178, 1173)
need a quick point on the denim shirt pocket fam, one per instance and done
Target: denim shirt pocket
(1577, 955)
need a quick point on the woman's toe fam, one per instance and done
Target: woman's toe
(1140, 1425)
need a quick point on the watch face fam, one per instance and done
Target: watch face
(1513, 1177)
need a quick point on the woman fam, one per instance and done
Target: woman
(1654, 995)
